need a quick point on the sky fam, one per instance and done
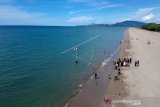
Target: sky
(77, 12)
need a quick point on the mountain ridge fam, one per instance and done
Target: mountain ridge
(120, 24)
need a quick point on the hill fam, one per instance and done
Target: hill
(121, 24)
(128, 24)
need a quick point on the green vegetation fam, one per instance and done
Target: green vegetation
(152, 27)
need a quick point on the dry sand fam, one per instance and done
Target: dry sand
(143, 82)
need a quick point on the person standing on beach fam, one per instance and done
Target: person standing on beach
(119, 60)
(116, 66)
(124, 64)
(118, 63)
(119, 71)
(113, 62)
(109, 77)
(121, 63)
(95, 75)
(130, 60)
(138, 62)
(135, 63)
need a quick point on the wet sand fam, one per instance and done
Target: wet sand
(93, 91)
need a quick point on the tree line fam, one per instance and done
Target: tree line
(152, 27)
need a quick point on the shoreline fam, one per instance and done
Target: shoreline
(91, 78)
(107, 67)
(116, 89)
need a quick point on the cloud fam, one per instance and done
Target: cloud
(74, 12)
(148, 17)
(82, 19)
(98, 4)
(110, 6)
(102, 4)
(147, 14)
(123, 19)
(146, 10)
(17, 16)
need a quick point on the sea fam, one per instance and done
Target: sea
(37, 63)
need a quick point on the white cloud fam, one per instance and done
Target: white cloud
(145, 14)
(110, 6)
(82, 19)
(103, 3)
(157, 18)
(145, 10)
(123, 19)
(74, 12)
(148, 17)
(99, 4)
(17, 16)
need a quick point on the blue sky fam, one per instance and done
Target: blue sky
(77, 12)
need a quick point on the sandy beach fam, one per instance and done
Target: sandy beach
(142, 83)
(138, 86)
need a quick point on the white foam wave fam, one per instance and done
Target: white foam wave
(80, 85)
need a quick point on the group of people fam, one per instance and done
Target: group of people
(125, 62)
(122, 63)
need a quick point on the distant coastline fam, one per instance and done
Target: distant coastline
(118, 24)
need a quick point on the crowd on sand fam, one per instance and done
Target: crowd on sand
(122, 62)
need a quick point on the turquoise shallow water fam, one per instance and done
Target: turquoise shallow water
(33, 73)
